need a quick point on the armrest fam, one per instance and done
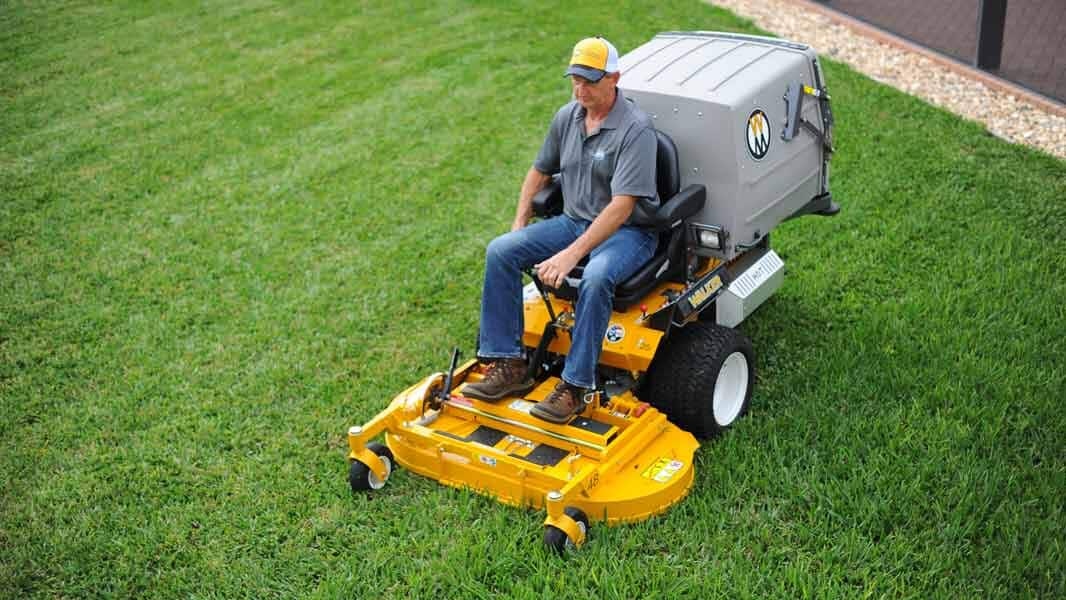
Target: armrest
(549, 200)
(681, 206)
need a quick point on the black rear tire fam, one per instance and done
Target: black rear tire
(682, 379)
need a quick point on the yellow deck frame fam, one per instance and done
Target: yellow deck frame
(637, 466)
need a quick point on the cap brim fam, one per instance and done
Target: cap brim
(589, 73)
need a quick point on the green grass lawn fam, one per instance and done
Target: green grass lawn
(230, 230)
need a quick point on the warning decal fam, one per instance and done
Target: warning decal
(662, 470)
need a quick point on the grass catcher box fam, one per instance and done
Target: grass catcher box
(751, 121)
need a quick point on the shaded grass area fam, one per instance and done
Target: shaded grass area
(229, 231)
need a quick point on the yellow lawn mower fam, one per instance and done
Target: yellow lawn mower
(744, 138)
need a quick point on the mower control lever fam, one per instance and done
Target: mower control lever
(543, 293)
(446, 391)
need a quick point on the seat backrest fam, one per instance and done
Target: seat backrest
(667, 170)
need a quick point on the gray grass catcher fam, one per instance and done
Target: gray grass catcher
(751, 121)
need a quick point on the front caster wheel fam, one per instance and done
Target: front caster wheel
(361, 478)
(557, 540)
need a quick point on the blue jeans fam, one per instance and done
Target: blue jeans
(501, 298)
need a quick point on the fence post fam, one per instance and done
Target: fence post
(990, 22)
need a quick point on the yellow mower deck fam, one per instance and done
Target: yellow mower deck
(620, 462)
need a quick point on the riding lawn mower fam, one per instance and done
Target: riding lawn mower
(744, 132)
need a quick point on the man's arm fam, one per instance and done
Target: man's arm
(533, 183)
(556, 268)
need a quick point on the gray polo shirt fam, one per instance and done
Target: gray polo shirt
(617, 160)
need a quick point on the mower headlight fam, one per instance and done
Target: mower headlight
(708, 236)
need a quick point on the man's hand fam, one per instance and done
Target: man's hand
(554, 270)
(519, 223)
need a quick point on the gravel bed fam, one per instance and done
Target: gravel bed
(1005, 115)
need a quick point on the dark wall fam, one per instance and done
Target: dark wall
(1034, 37)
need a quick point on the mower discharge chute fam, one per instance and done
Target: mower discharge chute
(744, 137)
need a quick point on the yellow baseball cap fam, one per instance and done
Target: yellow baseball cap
(593, 58)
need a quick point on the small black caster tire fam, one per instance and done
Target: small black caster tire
(556, 539)
(361, 478)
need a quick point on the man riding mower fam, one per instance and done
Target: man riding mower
(600, 371)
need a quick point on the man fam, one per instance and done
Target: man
(604, 148)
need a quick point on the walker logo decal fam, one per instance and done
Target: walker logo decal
(758, 134)
(615, 333)
(697, 298)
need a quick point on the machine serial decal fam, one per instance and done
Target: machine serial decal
(530, 293)
(758, 134)
(615, 333)
(705, 291)
(488, 460)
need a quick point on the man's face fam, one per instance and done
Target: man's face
(596, 95)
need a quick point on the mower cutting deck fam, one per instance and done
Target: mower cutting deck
(621, 460)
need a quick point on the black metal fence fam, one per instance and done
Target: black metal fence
(1020, 40)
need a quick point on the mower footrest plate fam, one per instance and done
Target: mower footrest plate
(544, 455)
(598, 427)
(487, 436)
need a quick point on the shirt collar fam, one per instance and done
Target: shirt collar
(614, 118)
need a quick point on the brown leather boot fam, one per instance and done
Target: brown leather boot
(505, 377)
(564, 402)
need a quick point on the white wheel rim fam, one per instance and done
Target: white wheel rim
(372, 479)
(730, 388)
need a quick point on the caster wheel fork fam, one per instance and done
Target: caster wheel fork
(361, 478)
(567, 534)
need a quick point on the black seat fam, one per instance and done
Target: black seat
(675, 205)
(667, 166)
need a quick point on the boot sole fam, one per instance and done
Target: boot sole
(520, 389)
(551, 417)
